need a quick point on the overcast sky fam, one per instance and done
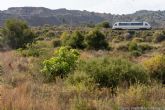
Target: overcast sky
(107, 6)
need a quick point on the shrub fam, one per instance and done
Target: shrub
(134, 96)
(137, 40)
(50, 34)
(117, 38)
(76, 40)
(96, 40)
(111, 72)
(80, 80)
(145, 46)
(64, 38)
(36, 49)
(122, 47)
(29, 52)
(17, 34)
(136, 53)
(104, 24)
(56, 42)
(132, 46)
(142, 95)
(156, 67)
(158, 36)
(148, 39)
(138, 49)
(61, 64)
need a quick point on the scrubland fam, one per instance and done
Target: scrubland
(81, 68)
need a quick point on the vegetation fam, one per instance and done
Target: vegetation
(96, 40)
(158, 36)
(104, 24)
(156, 67)
(112, 72)
(60, 65)
(75, 40)
(16, 33)
(73, 68)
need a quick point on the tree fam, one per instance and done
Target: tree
(61, 64)
(96, 40)
(16, 33)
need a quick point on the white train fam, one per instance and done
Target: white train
(131, 25)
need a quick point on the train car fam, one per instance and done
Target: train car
(132, 25)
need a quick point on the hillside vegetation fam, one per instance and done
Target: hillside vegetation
(39, 16)
(80, 68)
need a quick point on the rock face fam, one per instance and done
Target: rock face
(37, 16)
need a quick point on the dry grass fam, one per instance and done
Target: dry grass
(19, 89)
(23, 98)
(142, 96)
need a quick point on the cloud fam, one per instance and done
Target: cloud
(128, 6)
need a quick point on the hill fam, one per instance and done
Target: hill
(37, 16)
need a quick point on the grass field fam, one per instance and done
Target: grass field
(129, 72)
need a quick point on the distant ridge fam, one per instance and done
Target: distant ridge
(37, 16)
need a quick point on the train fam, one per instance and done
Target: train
(131, 26)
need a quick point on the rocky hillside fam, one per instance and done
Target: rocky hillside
(37, 16)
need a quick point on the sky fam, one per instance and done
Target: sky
(103, 6)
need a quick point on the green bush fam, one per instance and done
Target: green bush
(96, 40)
(136, 53)
(156, 67)
(145, 46)
(135, 49)
(132, 46)
(36, 49)
(50, 34)
(138, 49)
(61, 64)
(75, 40)
(17, 34)
(65, 38)
(104, 24)
(112, 72)
(78, 77)
(56, 42)
(80, 80)
(30, 52)
(158, 36)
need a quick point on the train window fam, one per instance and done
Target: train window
(124, 24)
(136, 24)
(146, 24)
(115, 25)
